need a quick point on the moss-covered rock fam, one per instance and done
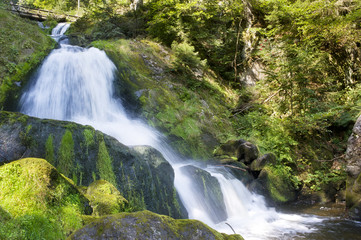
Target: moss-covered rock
(239, 150)
(23, 45)
(276, 184)
(42, 203)
(105, 199)
(85, 155)
(148, 226)
(258, 164)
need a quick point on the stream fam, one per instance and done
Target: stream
(76, 84)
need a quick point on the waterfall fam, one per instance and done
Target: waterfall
(75, 84)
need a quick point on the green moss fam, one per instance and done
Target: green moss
(88, 137)
(26, 139)
(42, 203)
(49, 150)
(105, 198)
(66, 154)
(278, 181)
(12, 117)
(104, 164)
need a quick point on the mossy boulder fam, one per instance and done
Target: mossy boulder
(210, 193)
(105, 199)
(266, 159)
(146, 225)
(23, 46)
(39, 202)
(85, 155)
(276, 184)
(239, 150)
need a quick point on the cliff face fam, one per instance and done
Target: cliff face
(353, 157)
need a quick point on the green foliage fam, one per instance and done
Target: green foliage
(186, 57)
(66, 154)
(104, 164)
(304, 108)
(49, 150)
(212, 27)
(103, 21)
(325, 178)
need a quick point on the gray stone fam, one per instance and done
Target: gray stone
(148, 226)
(353, 169)
(261, 162)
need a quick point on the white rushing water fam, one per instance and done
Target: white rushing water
(76, 84)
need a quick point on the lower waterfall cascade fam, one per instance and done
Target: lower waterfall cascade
(76, 84)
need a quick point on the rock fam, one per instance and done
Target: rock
(240, 171)
(146, 225)
(261, 162)
(353, 152)
(105, 199)
(85, 155)
(162, 184)
(353, 169)
(228, 151)
(247, 152)
(275, 184)
(210, 191)
(35, 194)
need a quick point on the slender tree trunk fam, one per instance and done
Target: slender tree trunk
(236, 53)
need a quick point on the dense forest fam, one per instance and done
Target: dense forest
(283, 75)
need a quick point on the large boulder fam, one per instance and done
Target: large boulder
(209, 192)
(353, 168)
(85, 155)
(146, 225)
(275, 184)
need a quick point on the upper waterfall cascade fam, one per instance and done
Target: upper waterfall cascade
(76, 84)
